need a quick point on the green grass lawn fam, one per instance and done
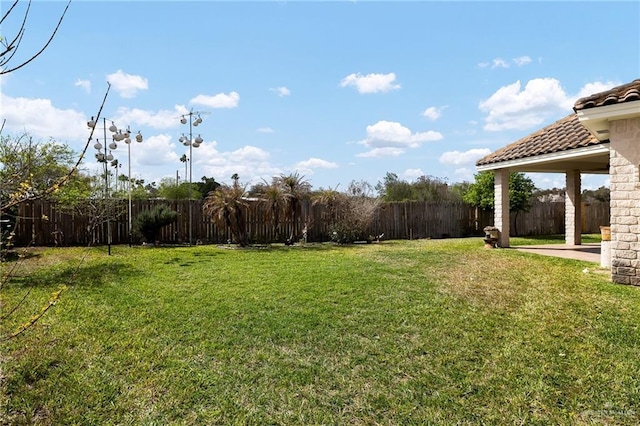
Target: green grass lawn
(401, 332)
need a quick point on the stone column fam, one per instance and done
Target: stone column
(501, 205)
(625, 200)
(572, 210)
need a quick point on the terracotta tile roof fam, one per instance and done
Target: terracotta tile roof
(618, 95)
(565, 134)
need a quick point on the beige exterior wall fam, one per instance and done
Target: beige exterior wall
(625, 200)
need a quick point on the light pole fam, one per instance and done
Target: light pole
(191, 143)
(117, 136)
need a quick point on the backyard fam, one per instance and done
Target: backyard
(399, 332)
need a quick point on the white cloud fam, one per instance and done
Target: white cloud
(503, 63)
(371, 83)
(163, 119)
(307, 166)
(522, 60)
(499, 63)
(249, 153)
(265, 130)
(248, 162)
(281, 91)
(457, 158)
(464, 174)
(593, 88)
(40, 118)
(221, 100)
(513, 107)
(392, 138)
(381, 152)
(127, 85)
(550, 180)
(154, 151)
(413, 173)
(84, 85)
(433, 113)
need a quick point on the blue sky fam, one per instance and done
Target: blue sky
(338, 91)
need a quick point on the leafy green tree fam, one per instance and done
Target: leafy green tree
(30, 169)
(90, 204)
(481, 193)
(602, 194)
(78, 188)
(550, 194)
(169, 190)
(431, 188)
(394, 189)
(425, 188)
(142, 191)
(521, 190)
(206, 185)
(458, 190)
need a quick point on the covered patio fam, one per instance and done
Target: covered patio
(602, 136)
(565, 146)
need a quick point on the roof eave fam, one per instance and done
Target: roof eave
(597, 119)
(521, 163)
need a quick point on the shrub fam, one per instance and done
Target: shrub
(354, 215)
(149, 222)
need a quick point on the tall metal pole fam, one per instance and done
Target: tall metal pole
(106, 187)
(191, 142)
(190, 172)
(129, 161)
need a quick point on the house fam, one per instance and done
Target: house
(601, 136)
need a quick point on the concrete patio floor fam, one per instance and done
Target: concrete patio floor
(588, 252)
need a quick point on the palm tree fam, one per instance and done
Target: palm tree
(272, 197)
(332, 200)
(184, 160)
(295, 188)
(115, 164)
(227, 207)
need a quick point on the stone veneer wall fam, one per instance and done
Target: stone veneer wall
(625, 201)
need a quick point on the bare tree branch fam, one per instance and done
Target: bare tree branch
(13, 46)
(15, 3)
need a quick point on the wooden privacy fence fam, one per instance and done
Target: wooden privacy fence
(45, 223)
